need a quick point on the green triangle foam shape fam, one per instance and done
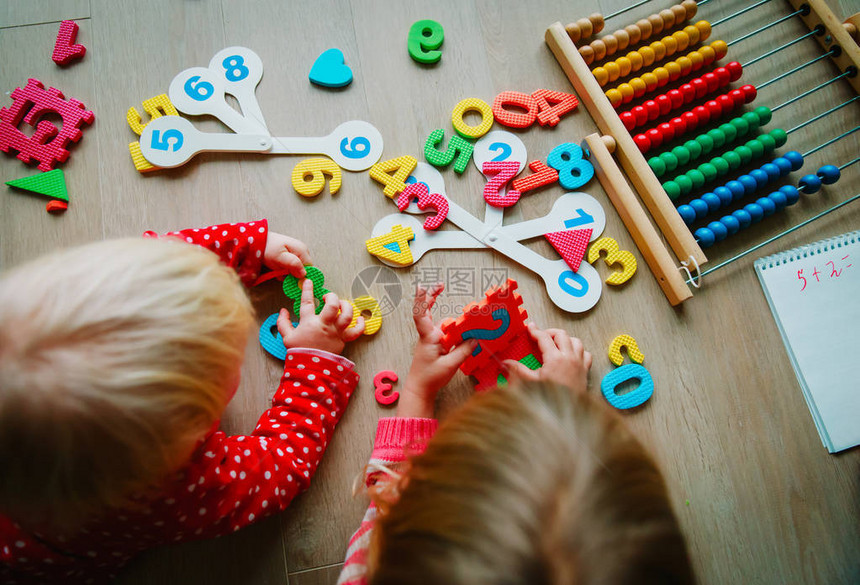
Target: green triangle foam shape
(52, 184)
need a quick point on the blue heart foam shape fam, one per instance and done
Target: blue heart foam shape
(329, 70)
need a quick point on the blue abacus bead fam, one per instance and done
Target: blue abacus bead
(725, 195)
(791, 194)
(771, 170)
(705, 237)
(699, 207)
(743, 217)
(784, 165)
(755, 210)
(749, 184)
(688, 214)
(761, 177)
(795, 158)
(779, 199)
(768, 206)
(737, 189)
(809, 184)
(719, 230)
(712, 201)
(828, 174)
(731, 223)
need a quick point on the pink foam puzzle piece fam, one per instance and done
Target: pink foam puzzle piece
(502, 172)
(571, 245)
(65, 49)
(425, 200)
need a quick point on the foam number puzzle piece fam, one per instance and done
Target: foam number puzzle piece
(571, 245)
(48, 144)
(294, 291)
(614, 255)
(530, 361)
(316, 169)
(56, 206)
(425, 38)
(501, 172)
(330, 70)
(393, 246)
(632, 350)
(367, 303)
(458, 148)
(573, 170)
(552, 105)
(511, 118)
(522, 348)
(382, 383)
(472, 105)
(393, 173)
(270, 338)
(419, 194)
(625, 373)
(156, 107)
(541, 176)
(65, 48)
(52, 184)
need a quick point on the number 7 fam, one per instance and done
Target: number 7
(583, 219)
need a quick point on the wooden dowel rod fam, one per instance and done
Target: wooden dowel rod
(647, 239)
(647, 185)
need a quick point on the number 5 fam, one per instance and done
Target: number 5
(162, 141)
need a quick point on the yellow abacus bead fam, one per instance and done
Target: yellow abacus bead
(597, 22)
(682, 39)
(674, 70)
(704, 28)
(661, 49)
(721, 48)
(650, 81)
(708, 55)
(614, 97)
(662, 76)
(697, 59)
(601, 75)
(693, 33)
(690, 7)
(639, 87)
(599, 49)
(648, 55)
(627, 92)
(634, 32)
(623, 39)
(685, 64)
(587, 54)
(611, 44)
(668, 18)
(679, 12)
(644, 27)
(624, 66)
(635, 58)
(613, 69)
(656, 23)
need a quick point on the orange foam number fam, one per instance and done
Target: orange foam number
(513, 119)
(552, 105)
(541, 175)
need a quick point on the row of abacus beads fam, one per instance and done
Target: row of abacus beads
(751, 213)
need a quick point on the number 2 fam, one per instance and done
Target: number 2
(504, 151)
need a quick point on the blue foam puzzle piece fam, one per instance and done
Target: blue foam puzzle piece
(329, 70)
(633, 398)
(271, 339)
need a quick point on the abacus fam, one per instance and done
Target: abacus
(623, 112)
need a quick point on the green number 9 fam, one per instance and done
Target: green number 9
(425, 36)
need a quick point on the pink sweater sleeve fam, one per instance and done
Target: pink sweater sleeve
(397, 439)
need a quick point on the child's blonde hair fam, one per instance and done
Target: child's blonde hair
(531, 485)
(115, 359)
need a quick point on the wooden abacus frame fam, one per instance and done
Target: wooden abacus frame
(650, 190)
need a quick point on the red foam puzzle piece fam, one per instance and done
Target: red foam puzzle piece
(571, 244)
(48, 144)
(426, 199)
(65, 49)
(522, 344)
(541, 175)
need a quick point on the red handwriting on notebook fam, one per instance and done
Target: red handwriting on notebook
(837, 268)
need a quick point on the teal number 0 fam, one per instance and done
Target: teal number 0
(161, 141)
(201, 91)
(232, 64)
(564, 282)
(358, 147)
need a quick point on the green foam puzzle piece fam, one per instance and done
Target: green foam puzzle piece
(530, 361)
(294, 291)
(52, 184)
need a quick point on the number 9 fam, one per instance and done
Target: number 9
(425, 36)
(198, 91)
(358, 147)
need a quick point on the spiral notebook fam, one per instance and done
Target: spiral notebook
(814, 294)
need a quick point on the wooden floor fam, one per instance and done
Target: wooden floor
(759, 498)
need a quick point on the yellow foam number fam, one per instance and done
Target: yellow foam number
(316, 169)
(472, 105)
(393, 246)
(632, 350)
(393, 173)
(367, 303)
(156, 107)
(623, 258)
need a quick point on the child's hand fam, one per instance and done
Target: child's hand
(286, 253)
(565, 360)
(328, 331)
(432, 367)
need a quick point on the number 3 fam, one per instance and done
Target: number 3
(613, 256)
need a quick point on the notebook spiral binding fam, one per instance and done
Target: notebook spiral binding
(796, 254)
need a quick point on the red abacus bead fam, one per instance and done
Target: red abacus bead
(653, 109)
(738, 97)
(664, 103)
(678, 126)
(736, 69)
(700, 87)
(712, 81)
(725, 102)
(750, 92)
(655, 136)
(690, 119)
(714, 109)
(688, 91)
(723, 75)
(629, 120)
(676, 97)
(642, 142)
(702, 114)
(640, 114)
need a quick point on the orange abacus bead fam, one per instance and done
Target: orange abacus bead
(645, 27)
(611, 43)
(599, 49)
(656, 24)
(634, 32)
(691, 7)
(585, 27)
(679, 12)
(697, 58)
(613, 69)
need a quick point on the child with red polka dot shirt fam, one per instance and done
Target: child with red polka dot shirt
(117, 360)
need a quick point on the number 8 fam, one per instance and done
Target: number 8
(235, 63)
(573, 171)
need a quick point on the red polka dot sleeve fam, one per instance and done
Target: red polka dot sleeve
(239, 245)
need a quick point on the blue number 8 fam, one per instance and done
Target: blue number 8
(161, 141)
(358, 147)
(201, 91)
(564, 282)
(573, 171)
(231, 65)
(505, 151)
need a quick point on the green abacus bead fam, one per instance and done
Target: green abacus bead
(672, 189)
(742, 126)
(720, 164)
(657, 165)
(697, 177)
(670, 160)
(706, 142)
(779, 135)
(751, 119)
(709, 171)
(684, 183)
(694, 147)
(729, 131)
(733, 159)
(756, 147)
(764, 115)
(767, 141)
(745, 152)
(682, 154)
(717, 136)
